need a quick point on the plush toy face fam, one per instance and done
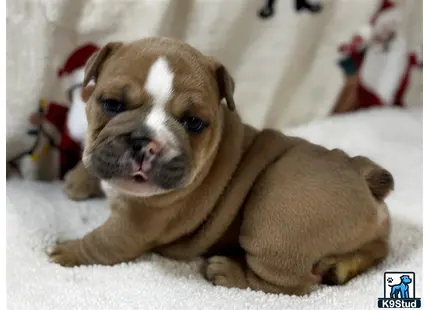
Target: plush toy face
(76, 119)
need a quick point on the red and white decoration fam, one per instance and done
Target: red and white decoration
(384, 59)
(385, 70)
(71, 75)
(60, 126)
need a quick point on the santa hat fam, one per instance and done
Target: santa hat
(72, 72)
(365, 33)
(385, 5)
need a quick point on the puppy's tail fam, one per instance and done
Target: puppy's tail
(379, 180)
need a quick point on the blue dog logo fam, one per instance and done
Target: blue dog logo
(401, 290)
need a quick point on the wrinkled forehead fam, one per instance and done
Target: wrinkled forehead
(156, 70)
(146, 59)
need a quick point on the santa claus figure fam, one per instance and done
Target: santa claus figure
(72, 76)
(74, 129)
(60, 129)
(377, 63)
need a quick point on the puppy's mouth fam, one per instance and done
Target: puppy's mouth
(141, 170)
(140, 177)
(150, 177)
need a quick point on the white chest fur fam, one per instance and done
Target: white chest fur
(108, 190)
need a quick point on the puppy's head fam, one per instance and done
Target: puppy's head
(154, 115)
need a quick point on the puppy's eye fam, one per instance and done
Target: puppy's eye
(112, 107)
(193, 124)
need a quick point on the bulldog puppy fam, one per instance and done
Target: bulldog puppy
(186, 178)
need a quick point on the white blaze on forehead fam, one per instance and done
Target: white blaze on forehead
(156, 122)
(159, 84)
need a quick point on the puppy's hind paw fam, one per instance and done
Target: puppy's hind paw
(225, 271)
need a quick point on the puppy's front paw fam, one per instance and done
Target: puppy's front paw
(66, 253)
(79, 185)
(225, 271)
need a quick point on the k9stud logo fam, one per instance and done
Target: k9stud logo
(399, 291)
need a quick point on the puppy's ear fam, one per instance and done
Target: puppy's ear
(87, 91)
(95, 62)
(225, 82)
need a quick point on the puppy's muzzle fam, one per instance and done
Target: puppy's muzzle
(155, 161)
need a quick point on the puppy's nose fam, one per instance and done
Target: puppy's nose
(144, 148)
(153, 148)
(138, 143)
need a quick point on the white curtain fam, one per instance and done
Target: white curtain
(285, 66)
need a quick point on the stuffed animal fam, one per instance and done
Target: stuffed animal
(376, 63)
(72, 76)
(59, 129)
